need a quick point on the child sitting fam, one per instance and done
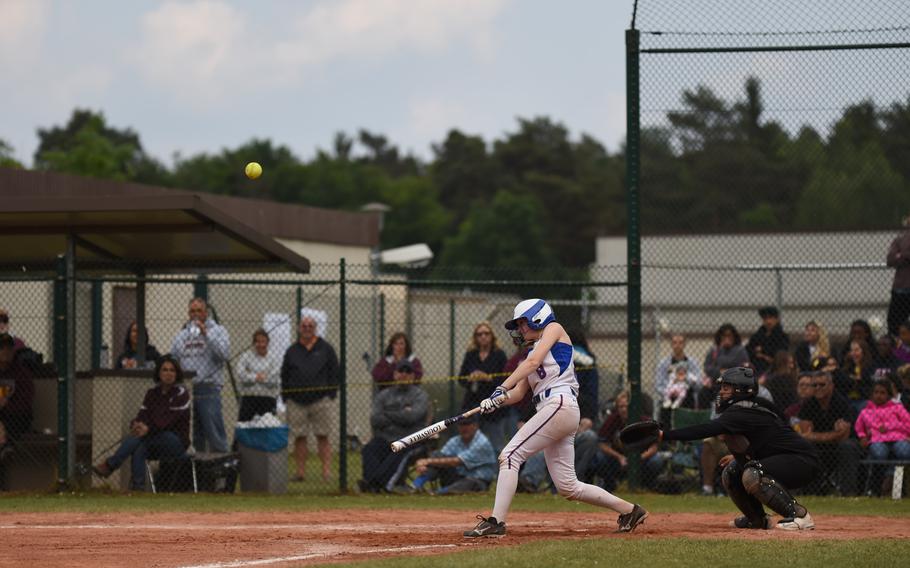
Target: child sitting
(678, 387)
(883, 427)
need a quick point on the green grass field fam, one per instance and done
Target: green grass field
(112, 502)
(585, 553)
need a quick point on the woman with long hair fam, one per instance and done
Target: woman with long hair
(858, 368)
(782, 378)
(397, 350)
(814, 345)
(161, 429)
(480, 373)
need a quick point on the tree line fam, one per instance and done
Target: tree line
(538, 196)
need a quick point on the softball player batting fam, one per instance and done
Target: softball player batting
(549, 373)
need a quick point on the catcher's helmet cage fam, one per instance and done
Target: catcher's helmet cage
(744, 383)
(536, 311)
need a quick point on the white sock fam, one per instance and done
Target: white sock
(707, 489)
(506, 484)
(600, 497)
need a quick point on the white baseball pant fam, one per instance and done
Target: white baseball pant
(552, 430)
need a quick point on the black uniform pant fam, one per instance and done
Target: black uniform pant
(380, 464)
(789, 471)
(898, 309)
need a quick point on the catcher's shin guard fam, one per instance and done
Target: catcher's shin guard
(732, 478)
(771, 493)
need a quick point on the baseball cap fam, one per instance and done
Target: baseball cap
(768, 312)
(6, 340)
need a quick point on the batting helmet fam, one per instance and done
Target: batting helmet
(536, 311)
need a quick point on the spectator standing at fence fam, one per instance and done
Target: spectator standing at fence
(398, 410)
(161, 429)
(677, 355)
(781, 379)
(309, 384)
(204, 347)
(814, 345)
(481, 372)
(398, 350)
(259, 373)
(466, 464)
(767, 341)
(899, 259)
(826, 420)
(4, 329)
(129, 358)
(727, 351)
(17, 391)
(859, 330)
(883, 428)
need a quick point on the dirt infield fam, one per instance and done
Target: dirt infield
(282, 539)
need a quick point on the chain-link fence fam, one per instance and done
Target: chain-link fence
(773, 179)
(329, 388)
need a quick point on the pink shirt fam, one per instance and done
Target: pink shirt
(891, 417)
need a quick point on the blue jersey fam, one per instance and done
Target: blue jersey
(556, 370)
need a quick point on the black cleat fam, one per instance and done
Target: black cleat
(743, 522)
(486, 527)
(629, 521)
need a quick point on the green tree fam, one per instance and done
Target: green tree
(509, 232)
(223, 173)
(416, 214)
(6, 157)
(88, 146)
(464, 173)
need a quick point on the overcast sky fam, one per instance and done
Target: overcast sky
(199, 75)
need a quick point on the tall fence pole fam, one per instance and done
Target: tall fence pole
(97, 315)
(633, 235)
(451, 356)
(66, 446)
(343, 387)
(60, 358)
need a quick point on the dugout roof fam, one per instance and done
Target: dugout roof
(122, 227)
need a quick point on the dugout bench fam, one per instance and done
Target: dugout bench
(898, 487)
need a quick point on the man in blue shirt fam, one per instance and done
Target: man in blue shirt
(467, 463)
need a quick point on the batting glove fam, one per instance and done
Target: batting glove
(497, 399)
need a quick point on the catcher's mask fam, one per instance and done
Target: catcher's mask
(744, 383)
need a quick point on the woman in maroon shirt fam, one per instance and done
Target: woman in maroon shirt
(161, 429)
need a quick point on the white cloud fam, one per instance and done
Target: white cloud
(202, 50)
(192, 48)
(370, 28)
(22, 27)
(431, 119)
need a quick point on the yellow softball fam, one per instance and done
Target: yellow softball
(253, 170)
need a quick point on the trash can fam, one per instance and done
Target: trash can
(263, 459)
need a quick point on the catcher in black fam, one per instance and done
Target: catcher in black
(769, 458)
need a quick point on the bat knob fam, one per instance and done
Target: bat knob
(397, 447)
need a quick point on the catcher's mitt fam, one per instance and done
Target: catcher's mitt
(639, 435)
